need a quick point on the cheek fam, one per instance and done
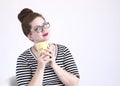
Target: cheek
(36, 35)
(49, 33)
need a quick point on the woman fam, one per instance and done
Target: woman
(36, 69)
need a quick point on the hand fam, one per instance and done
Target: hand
(52, 56)
(42, 58)
(48, 57)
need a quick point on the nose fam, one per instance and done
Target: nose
(43, 29)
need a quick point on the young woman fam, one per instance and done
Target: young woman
(36, 69)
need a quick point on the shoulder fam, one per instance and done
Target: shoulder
(61, 46)
(24, 54)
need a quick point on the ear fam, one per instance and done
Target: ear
(30, 37)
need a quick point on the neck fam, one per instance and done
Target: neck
(40, 42)
(34, 48)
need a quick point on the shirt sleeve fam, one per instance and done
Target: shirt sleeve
(23, 71)
(69, 62)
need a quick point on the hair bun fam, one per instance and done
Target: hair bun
(24, 13)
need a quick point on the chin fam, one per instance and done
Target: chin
(46, 39)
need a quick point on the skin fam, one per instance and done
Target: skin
(37, 37)
(67, 78)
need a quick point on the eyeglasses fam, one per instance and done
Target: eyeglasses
(39, 29)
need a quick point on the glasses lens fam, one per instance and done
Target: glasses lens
(46, 25)
(39, 28)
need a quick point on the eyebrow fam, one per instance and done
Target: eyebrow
(40, 25)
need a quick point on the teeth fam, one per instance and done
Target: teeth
(42, 45)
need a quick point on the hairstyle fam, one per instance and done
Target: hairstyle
(26, 16)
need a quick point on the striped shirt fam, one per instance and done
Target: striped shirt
(27, 64)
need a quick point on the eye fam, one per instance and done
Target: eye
(38, 28)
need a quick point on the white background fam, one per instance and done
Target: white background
(90, 28)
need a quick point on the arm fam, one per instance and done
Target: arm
(69, 75)
(24, 75)
(23, 72)
(38, 77)
(67, 78)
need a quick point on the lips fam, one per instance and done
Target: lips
(45, 34)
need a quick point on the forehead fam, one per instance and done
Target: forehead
(37, 21)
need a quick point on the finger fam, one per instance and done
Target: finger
(48, 54)
(50, 51)
(46, 58)
(40, 57)
(40, 51)
(45, 55)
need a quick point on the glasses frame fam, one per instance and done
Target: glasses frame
(39, 28)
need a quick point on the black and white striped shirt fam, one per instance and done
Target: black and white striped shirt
(26, 67)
